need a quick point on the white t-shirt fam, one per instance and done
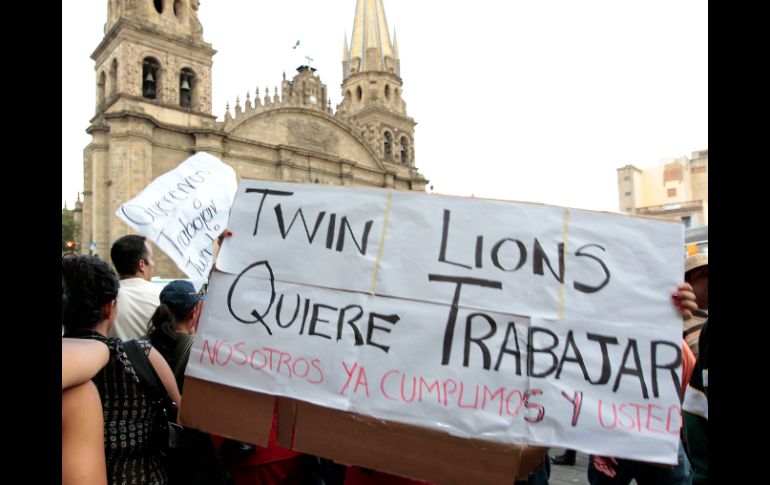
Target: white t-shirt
(137, 301)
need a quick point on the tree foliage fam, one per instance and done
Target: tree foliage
(70, 230)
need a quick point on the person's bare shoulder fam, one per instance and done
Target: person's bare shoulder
(81, 360)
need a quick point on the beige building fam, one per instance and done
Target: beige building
(153, 110)
(675, 190)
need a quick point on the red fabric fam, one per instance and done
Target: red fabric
(217, 440)
(359, 476)
(271, 465)
(273, 452)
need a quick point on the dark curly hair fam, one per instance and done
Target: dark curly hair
(88, 283)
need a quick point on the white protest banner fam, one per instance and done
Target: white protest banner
(184, 211)
(480, 318)
(520, 245)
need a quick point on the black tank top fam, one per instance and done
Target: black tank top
(129, 418)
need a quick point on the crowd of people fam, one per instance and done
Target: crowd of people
(112, 424)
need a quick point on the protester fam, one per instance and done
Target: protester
(696, 274)
(89, 311)
(606, 470)
(133, 260)
(695, 411)
(171, 332)
(172, 326)
(82, 456)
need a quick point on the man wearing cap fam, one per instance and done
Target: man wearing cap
(138, 298)
(696, 274)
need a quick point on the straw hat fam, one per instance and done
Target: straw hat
(695, 261)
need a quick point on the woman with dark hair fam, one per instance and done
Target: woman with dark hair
(172, 326)
(171, 331)
(89, 310)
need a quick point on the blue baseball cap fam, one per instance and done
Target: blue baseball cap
(179, 294)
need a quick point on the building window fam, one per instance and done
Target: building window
(150, 69)
(114, 77)
(404, 150)
(178, 8)
(672, 192)
(388, 145)
(627, 178)
(186, 87)
(628, 194)
(158, 5)
(100, 88)
(387, 92)
(686, 221)
(359, 93)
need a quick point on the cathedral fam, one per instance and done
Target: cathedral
(153, 111)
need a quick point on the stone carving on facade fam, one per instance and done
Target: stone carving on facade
(312, 134)
(197, 27)
(371, 139)
(379, 144)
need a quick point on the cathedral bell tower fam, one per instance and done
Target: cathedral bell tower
(152, 111)
(371, 86)
(154, 50)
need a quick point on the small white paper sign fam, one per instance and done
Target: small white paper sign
(184, 211)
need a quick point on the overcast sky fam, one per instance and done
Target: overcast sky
(522, 100)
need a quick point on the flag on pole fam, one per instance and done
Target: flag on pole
(296, 45)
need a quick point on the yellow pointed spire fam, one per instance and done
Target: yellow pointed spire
(370, 43)
(395, 45)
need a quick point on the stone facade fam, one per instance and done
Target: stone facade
(153, 110)
(676, 190)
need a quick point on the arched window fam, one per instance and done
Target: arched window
(158, 5)
(404, 150)
(150, 71)
(388, 145)
(179, 10)
(114, 77)
(359, 93)
(186, 88)
(387, 92)
(100, 89)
